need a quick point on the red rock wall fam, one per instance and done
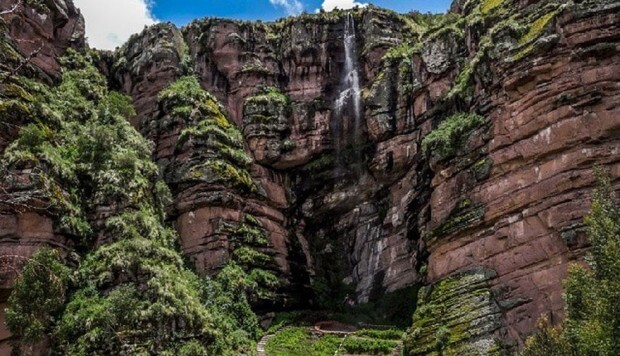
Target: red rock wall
(554, 116)
(44, 33)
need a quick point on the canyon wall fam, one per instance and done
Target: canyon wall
(467, 168)
(371, 210)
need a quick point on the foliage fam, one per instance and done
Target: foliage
(592, 326)
(266, 95)
(82, 145)
(368, 346)
(386, 334)
(131, 293)
(221, 157)
(284, 319)
(298, 341)
(448, 137)
(547, 340)
(233, 317)
(249, 241)
(301, 341)
(38, 297)
(489, 5)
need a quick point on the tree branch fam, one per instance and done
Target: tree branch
(13, 9)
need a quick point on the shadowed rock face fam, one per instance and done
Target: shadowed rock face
(489, 213)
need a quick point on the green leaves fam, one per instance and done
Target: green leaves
(131, 293)
(450, 135)
(38, 297)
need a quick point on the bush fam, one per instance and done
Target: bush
(366, 346)
(131, 293)
(389, 334)
(299, 341)
(38, 297)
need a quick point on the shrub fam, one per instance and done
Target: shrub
(38, 297)
(389, 334)
(131, 293)
(366, 346)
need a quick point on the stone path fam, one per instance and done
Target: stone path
(260, 347)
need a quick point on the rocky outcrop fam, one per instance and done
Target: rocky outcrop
(31, 40)
(457, 315)
(43, 30)
(554, 115)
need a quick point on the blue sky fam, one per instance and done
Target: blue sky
(182, 12)
(109, 23)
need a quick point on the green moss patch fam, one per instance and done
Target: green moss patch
(464, 214)
(450, 135)
(457, 315)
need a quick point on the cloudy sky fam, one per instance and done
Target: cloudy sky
(110, 22)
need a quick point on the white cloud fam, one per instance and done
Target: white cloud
(109, 23)
(329, 5)
(292, 7)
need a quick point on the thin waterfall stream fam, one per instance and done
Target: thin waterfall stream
(348, 105)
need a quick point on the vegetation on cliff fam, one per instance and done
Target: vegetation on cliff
(125, 289)
(450, 135)
(592, 325)
(217, 155)
(217, 145)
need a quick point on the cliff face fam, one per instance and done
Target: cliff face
(31, 40)
(378, 152)
(371, 210)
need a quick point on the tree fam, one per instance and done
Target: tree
(592, 326)
(38, 297)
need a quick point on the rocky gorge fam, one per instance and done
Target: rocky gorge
(351, 155)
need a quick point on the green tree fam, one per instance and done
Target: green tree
(592, 326)
(38, 297)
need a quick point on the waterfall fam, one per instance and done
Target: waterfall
(349, 101)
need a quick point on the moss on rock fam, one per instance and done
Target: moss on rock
(456, 316)
(450, 135)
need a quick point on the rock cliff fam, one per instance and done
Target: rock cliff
(353, 154)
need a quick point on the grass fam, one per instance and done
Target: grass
(302, 341)
(368, 346)
(299, 341)
(387, 334)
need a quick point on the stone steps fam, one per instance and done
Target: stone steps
(260, 347)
